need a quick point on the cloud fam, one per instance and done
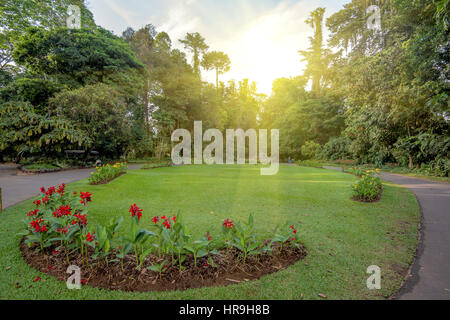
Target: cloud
(267, 47)
(180, 20)
(125, 14)
(261, 37)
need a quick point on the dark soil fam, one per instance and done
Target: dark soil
(376, 199)
(106, 181)
(226, 270)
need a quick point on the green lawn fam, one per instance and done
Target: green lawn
(343, 237)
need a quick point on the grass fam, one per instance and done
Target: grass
(343, 237)
(41, 166)
(159, 164)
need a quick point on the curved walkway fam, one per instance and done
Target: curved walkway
(17, 188)
(430, 272)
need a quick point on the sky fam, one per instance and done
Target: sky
(261, 37)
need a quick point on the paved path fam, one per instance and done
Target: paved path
(17, 188)
(430, 273)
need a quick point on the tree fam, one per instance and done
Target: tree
(24, 132)
(395, 82)
(100, 112)
(33, 90)
(18, 15)
(195, 43)
(142, 43)
(79, 56)
(216, 60)
(316, 55)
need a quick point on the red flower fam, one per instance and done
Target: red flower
(83, 281)
(208, 236)
(135, 211)
(292, 227)
(164, 217)
(155, 219)
(61, 189)
(46, 200)
(55, 252)
(81, 219)
(166, 224)
(174, 219)
(33, 213)
(62, 211)
(50, 191)
(85, 197)
(42, 189)
(36, 225)
(37, 203)
(37, 279)
(63, 230)
(228, 224)
(90, 237)
(49, 267)
(295, 231)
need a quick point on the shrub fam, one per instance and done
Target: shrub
(107, 173)
(310, 163)
(310, 150)
(357, 171)
(336, 148)
(59, 219)
(369, 187)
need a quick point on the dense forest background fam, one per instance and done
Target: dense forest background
(375, 96)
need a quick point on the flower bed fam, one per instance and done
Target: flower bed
(163, 257)
(369, 188)
(107, 173)
(39, 168)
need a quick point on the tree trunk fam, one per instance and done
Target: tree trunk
(217, 79)
(146, 101)
(411, 164)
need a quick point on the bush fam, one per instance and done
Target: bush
(336, 148)
(107, 173)
(441, 167)
(310, 163)
(368, 188)
(310, 150)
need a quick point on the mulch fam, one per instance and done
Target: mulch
(225, 269)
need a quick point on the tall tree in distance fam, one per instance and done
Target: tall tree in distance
(195, 43)
(315, 54)
(142, 42)
(216, 60)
